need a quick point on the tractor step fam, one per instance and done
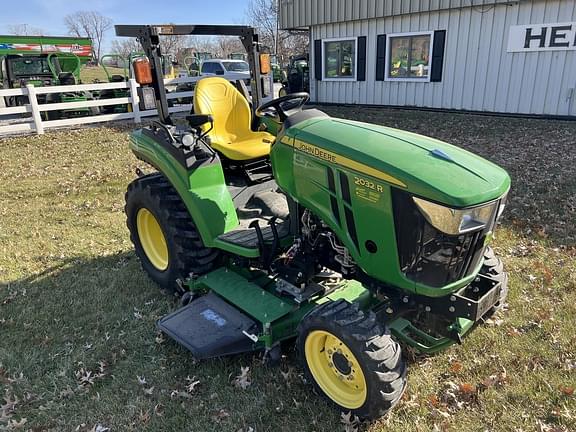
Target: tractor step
(258, 171)
(248, 238)
(210, 327)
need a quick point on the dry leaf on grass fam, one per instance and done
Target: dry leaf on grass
(567, 390)
(456, 367)
(160, 338)
(148, 391)
(141, 380)
(350, 423)
(496, 380)
(15, 425)
(84, 377)
(545, 427)
(191, 384)
(243, 380)
(220, 415)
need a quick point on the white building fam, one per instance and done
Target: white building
(499, 56)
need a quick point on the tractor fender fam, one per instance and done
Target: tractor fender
(202, 189)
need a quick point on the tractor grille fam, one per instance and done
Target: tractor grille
(429, 256)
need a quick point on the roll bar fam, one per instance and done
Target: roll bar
(149, 38)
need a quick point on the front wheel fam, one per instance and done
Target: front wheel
(164, 235)
(494, 269)
(350, 360)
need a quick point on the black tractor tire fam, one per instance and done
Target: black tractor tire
(494, 269)
(186, 254)
(378, 356)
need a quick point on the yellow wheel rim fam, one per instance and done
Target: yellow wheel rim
(152, 239)
(335, 369)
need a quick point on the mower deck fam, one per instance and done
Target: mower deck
(210, 327)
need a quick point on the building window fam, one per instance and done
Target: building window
(409, 56)
(339, 59)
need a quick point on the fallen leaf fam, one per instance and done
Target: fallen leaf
(456, 367)
(141, 380)
(243, 380)
(433, 401)
(191, 384)
(350, 423)
(467, 388)
(148, 391)
(14, 425)
(160, 338)
(220, 415)
(567, 391)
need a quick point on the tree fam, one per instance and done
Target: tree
(89, 24)
(228, 45)
(125, 46)
(263, 15)
(24, 30)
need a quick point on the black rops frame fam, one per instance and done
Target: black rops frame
(149, 38)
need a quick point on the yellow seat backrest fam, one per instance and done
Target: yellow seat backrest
(232, 134)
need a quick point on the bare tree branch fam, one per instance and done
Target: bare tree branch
(263, 15)
(24, 30)
(90, 24)
(125, 46)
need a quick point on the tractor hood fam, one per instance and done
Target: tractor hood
(424, 166)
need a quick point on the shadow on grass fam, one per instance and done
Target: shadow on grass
(86, 312)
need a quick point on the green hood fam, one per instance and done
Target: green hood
(427, 167)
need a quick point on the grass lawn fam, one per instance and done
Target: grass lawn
(89, 74)
(78, 346)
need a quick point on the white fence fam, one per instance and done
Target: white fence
(37, 122)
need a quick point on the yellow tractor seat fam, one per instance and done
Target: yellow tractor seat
(231, 135)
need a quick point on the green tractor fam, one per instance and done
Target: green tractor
(297, 78)
(65, 69)
(119, 62)
(366, 237)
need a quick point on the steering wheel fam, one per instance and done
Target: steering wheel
(285, 105)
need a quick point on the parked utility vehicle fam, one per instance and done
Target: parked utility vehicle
(366, 237)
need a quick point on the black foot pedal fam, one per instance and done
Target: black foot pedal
(210, 327)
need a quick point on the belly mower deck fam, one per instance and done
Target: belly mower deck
(210, 327)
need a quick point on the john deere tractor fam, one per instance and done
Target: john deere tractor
(364, 238)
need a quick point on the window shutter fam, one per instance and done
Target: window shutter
(380, 57)
(318, 59)
(361, 59)
(438, 55)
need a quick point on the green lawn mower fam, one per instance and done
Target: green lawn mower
(119, 62)
(365, 238)
(65, 69)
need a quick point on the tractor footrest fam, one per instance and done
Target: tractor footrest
(210, 327)
(258, 171)
(247, 237)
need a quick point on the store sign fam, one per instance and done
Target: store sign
(542, 37)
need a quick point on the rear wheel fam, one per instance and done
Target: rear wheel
(164, 236)
(350, 360)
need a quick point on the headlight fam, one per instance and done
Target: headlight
(501, 206)
(456, 221)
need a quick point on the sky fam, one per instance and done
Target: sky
(48, 15)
